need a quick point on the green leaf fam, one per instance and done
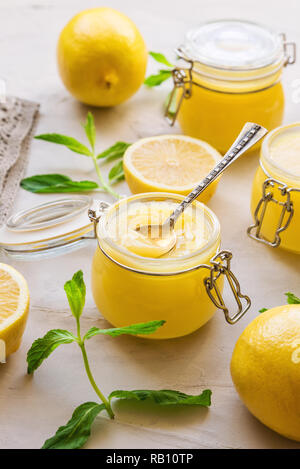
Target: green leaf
(165, 397)
(76, 432)
(76, 291)
(134, 329)
(68, 142)
(90, 129)
(55, 183)
(114, 152)
(116, 173)
(263, 310)
(156, 80)
(161, 58)
(43, 347)
(292, 299)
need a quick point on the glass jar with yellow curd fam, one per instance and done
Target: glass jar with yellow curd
(275, 203)
(183, 287)
(231, 74)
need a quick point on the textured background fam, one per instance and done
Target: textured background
(31, 409)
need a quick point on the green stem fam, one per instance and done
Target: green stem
(93, 383)
(101, 180)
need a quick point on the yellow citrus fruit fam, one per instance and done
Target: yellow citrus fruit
(169, 163)
(101, 57)
(265, 369)
(14, 307)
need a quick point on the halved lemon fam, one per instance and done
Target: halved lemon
(14, 307)
(170, 163)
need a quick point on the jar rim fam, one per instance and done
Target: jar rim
(265, 152)
(274, 49)
(210, 217)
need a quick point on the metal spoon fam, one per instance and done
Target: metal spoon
(163, 235)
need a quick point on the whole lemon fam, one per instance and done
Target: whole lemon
(265, 369)
(101, 57)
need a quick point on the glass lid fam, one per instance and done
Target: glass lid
(49, 214)
(233, 44)
(56, 226)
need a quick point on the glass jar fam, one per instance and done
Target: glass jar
(275, 203)
(184, 291)
(232, 75)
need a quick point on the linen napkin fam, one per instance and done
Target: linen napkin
(17, 122)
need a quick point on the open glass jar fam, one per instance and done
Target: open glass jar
(275, 202)
(184, 290)
(231, 74)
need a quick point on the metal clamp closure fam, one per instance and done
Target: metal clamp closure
(183, 80)
(289, 49)
(95, 215)
(285, 217)
(220, 265)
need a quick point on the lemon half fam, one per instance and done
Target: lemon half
(170, 163)
(265, 369)
(14, 307)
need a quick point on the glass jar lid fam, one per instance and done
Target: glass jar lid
(51, 228)
(49, 214)
(233, 45)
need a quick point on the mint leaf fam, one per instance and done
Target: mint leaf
(115, 151)
(43, 347)
(75, 290)
(76, 432)
(116, 173)
(292, 299)
(90, 129)
(161, 58)
(262, 310)
(55, 183)
(165, 397)
(156, 80)
(134, 329)
(69, 142)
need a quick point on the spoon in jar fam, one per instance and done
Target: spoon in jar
(163, 236)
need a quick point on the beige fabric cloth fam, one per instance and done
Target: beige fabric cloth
(17, 121)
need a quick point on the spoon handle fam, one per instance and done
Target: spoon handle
(250, 134)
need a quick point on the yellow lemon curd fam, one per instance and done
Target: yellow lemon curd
(235, 78)
(130, 285)
(280, 160)
(216, 111)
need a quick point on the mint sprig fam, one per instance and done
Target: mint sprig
(165, 397)
(163, 74)
(58, 183)
(42, 348)
(68, 142)
(55, 183)
(292, 299)
(77, 430)
(114, 152)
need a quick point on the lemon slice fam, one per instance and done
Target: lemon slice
(14, 306)
(169, 163)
